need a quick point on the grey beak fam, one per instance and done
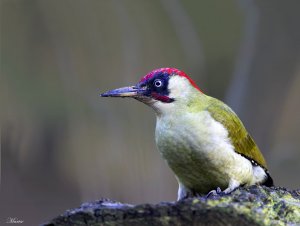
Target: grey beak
(131, 91)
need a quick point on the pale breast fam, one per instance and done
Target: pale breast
(198, 150)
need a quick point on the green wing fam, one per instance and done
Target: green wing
(242, 141)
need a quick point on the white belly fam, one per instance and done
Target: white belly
(198, 150)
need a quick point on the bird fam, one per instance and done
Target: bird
(201, 138)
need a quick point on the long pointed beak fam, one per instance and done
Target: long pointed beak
(131, 91)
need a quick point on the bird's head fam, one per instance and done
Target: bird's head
(161, 89)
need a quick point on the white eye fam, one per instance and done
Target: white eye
(157, 83)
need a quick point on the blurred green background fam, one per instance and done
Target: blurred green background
(61, 144)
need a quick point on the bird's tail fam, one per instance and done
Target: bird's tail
(269, 181)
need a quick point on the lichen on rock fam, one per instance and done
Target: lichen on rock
(255, 205)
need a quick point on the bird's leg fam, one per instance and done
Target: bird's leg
(233, 184)
(183, 192)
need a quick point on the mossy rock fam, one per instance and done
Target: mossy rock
(255, 205)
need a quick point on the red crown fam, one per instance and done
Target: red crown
(170, 72)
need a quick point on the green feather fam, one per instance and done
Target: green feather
(240, 138)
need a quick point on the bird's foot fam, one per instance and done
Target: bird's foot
(217, 192)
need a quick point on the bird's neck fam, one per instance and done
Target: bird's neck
(193, 102)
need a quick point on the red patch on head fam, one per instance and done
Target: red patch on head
(170, 71)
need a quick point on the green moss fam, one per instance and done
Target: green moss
(268, 208)
(255, 205)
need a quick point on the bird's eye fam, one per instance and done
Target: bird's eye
(158, 83)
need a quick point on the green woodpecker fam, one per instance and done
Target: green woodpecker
(201, 138)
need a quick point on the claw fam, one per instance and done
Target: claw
(211, 193)
(216, 192)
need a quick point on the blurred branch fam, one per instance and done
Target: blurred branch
(187, 34)
(269, 57)
(237, 88)
(130, 42)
